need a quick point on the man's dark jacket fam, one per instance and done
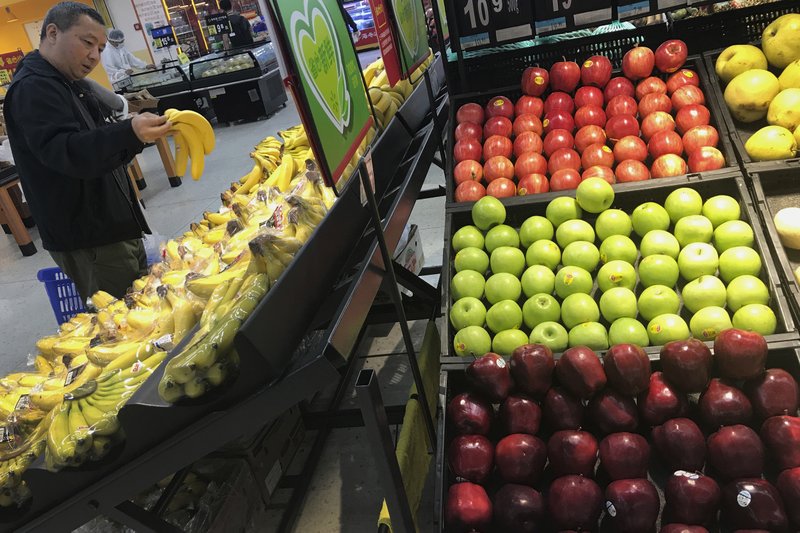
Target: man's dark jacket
(72, 172)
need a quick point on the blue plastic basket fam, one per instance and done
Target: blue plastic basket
(63, 293)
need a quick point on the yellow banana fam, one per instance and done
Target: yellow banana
(253, 177)
(196, 151)
(101, 299)
(46, 400)
(79, 430)
(181, 153)
(198, 122)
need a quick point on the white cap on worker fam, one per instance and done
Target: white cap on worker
(116, 36)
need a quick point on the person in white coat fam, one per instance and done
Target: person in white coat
(118, 61)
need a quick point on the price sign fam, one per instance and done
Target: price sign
(8, 63)
(490, 22)
(218, 24)
(633, 9)
(558, 16)
(163, 37)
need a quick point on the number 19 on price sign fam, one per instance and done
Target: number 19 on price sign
(490, 22)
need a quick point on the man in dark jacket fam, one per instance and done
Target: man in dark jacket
(71, 161)
(241, 32)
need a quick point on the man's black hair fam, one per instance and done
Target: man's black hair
(66, 14)
(225, 5)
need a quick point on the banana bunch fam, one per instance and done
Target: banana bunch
(205, 361)
(194, 139)
(360, 151)
(267, 153)
(73, 337)
(296, 144)
(14, 492)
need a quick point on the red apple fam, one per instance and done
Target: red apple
(562, 410)
(498, 167)
(664, 142)
(754, 505)
(564, 76)
(781, 436)
(706, 158)
(622, 125)
(627, 368)
(687, 95)
(691, 498)
(588, 135)
(558, 101)
(655, 122)
(698, 137)
(661, 401)
(563, 158)
(530, 163)
(589, 96)
(690, 116)
(590, 115)
(621, 105)
(532, 367)
(467, 149)
(740, 354)
(468, 508)
(468, 170)
(638, 62)
(469, 413)
(527, 142)
(489, 376)
(687, 364)
(519, 508)
(471, 457)
(579, 370)
(651, 85)
(598, 171)
(498, 126)
(788, 486)
(682, 77)
(501, 188)
(624, 455)
(667, 166)
(469, 130)
(520, 414)
(632, 505)
(572, 452)
(499, 106)
(650, 103)
(630, 147)
(671, 55)
(520, 458)
(497, 145)
(565, 179)
(613, 412)
(470, 113)
(535, 81)
(596, 71)
(469, 191)
(680, 444)
(597, 154)
(619, 86)
(722, 404)
(773, 393)
(525, 123)
(631, 170)
(532, 184)
(735, 452)
(556, 139)
(558, 120)
(574, 503)
(529, 105)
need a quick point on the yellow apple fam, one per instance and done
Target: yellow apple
(749, 94)
(790, 77)
(737, 59)
(781, 40)
(784, 110)
(770, 143)
(787, 224)
(797, 135)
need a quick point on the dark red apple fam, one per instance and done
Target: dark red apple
(572, 452)
(692, 498)
(588, 96)
(489, 375)
(520, 414)
(599, 171)
(630, 147)
(563, 158)
(627, 368)
(564, 76)
(471, 457)
(698, 137)
(773, 393)
(650, 103)
(656, 122)
(735, 452)
(631, 170)
(575, 503)
(501, 188)
(562, 410)
(664, 142)
(753, 504)
(470, 113)
(500, 106)
(520, 458)
(498, 167)
(621, 105)
(498, 126)
(590, 115)
(690, 116)
(469, 191)
(532, 184)
(632, 505)
(527, 142)
(565, 179)
(468, 508)
(682, 528)
(469, 130)
(624, 455)
(525, 123)
(788, 486)
(722, 404)
(621, 126)
(638, 63)
(468, 170)
(519, 508)
(588, 135)
(706, 158)
(556, 140)
(667, 166)
(530, 163)
(680, 78)
(535, 81)
(661, 401)
(596, 71)
(558, 101)
(532, 366)
(781, 436)
(558, 120)
(687, 364)
(613, 412)
(671, 55)
(650, 85)
(470, 414)
(597, 154)
(740, 354)
(619, 86)
(497, 145)
(687, 95)
(467, 149)
(529, 105)
(680, 444)
(579, 370)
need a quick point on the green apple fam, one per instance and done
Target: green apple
(590, 334)
(746, 289)
(540, 308)
(543, 252)
(467, 237)
(577, 309)
(658, 269)
(581, 253)
(501, 235)
(561, 209)
(693, 228)
(502, 286)
(505, 342)
(628, 331)
(697, 259)
(702, 292)
(467, 283)
(756, 317)
(667, 328)
(536, 279)
(574, 230)
(472, 341)
(507, 259)
(618, 247)
(504, 315)
(733, 233)
(551, 334)
(467, 311)
(618, 302)
(649, 216)
(721, 208)
(738, 260)
(573, 280)
(708, 322)
(683, 202)
(612, 222)
(594, 195)
(488, 212)
(658, 300)
(616, 274)
(659, 242)
(471, 259)
(535, 228)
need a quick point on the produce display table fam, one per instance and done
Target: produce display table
(9, 180)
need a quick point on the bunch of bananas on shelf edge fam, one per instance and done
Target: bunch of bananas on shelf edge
(194, 139)
(386, 100)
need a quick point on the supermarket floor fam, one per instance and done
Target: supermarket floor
(344, 493)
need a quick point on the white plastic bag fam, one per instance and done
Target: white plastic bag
(5, 152)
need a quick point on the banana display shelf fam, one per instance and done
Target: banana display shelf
(170, 340)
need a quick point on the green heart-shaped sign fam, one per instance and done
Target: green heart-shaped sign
(319, 57)
(407, 16)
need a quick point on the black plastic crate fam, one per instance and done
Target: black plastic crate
(732, 184)
(452, 381)
(773, 189)
(693, 62)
